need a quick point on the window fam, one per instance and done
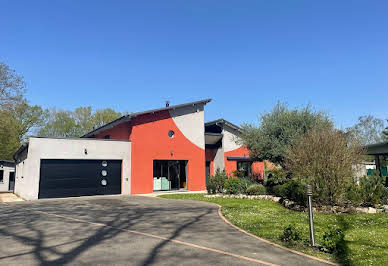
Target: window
(244, 167)
(107, 137)
(171, 133)
(1, 176)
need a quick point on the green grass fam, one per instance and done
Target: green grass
(366, 235)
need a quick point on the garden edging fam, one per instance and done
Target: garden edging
(296, 207)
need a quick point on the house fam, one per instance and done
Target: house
(7, 176)
(224, 152)
(169, 148)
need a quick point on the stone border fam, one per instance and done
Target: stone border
(289, 204)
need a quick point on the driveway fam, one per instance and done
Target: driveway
(132, 230)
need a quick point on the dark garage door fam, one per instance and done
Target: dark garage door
(72, 178)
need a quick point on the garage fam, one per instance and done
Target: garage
(72, 178)
(59, 168)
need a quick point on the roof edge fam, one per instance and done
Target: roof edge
(128, 117)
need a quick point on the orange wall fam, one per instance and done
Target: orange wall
(230, 166)
(209, 157)
(150, 141)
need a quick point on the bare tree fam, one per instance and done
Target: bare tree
(324, 159)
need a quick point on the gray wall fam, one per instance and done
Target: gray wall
(28, 170)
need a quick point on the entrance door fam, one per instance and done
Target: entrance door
(207, 172)
(169, 174)
(11, 181)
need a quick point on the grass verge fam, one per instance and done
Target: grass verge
(366, 235)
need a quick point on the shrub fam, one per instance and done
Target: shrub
(290, 234)
(372, 190)
(384, 196)
(324, 159)
(217, 182)
(275, 177)
(333, 240)
(353, 194)
(295, 190)
(256, 189)
(245, 183)
(276, 191)
(233, 186)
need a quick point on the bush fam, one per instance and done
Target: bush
(324, 158)
(353, 194)
(217, 182)
(290, 234)
(233, 186)
(276, 191)
(276, 177)
(256, 189)
(333, 240)
(372, 190)
(246, 182)
(295, 190)
(384, 197)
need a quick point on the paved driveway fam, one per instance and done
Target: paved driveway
(131, 230)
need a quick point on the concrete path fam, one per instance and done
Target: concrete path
(9, 197)
(129, 230)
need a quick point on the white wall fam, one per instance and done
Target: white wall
(191, 122)
(28, 171)
(4, 186)
(229, 139)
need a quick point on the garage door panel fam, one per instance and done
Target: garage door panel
(70, 178)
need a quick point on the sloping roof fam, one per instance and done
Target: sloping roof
(7, 163)
(377, 148)
(127, 118)
(222, 121)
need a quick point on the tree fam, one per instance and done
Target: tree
(385, 133)
(64, 123)
(279, 129)
(17, 117)
(368, 130)
(11, 86)
(59, 123)
(324, 158)
(102, 117)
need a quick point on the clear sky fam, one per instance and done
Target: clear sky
(245, 55)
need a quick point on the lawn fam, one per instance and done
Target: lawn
(366, 235)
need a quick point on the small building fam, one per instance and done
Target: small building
(169, 148)
(380, 152)
(7, 176)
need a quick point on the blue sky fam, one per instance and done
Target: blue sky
(245, 55)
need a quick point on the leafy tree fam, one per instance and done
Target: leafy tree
(64, 123)
(368, 130)
(103, 116)
(279, 129)
(17, 117)
(324, 158)
(11, 86)
(59, 123)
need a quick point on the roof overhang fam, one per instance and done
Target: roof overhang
(128, 117)
(244, 159)
(221, 122)
(212, 138)
(377, 149)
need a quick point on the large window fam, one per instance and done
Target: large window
(1, 176)
(245, 167)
